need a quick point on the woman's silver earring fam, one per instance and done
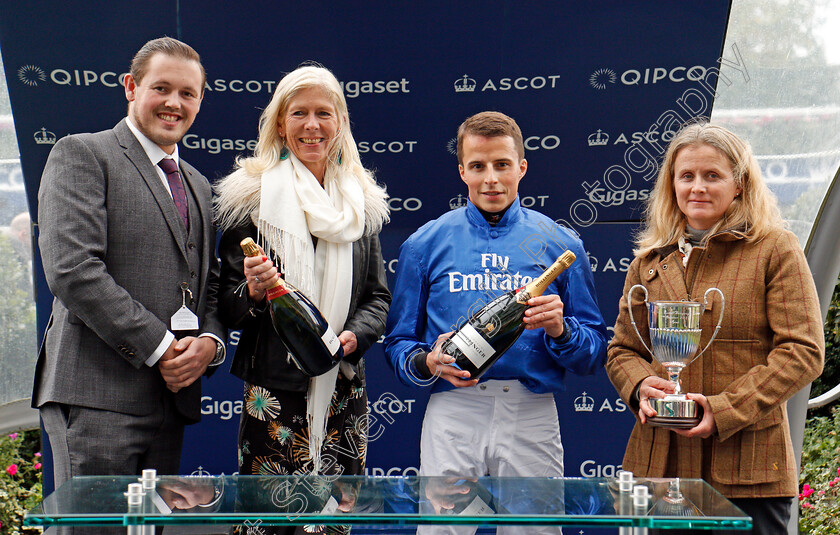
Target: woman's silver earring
(284, 153)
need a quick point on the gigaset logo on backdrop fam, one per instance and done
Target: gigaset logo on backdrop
(602, 78)
(224, 409)
(354, 88)
(465, 84)
(598, 194)
(215, 145)
(591, 468)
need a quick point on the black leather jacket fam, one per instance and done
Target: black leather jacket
(260, 357)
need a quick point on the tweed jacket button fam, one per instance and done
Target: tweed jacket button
(650, 272)
(664, 266)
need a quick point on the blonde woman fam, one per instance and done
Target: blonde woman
(712, 222)
(305, 197)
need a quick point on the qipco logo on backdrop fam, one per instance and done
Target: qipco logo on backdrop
(407, 204)
(391, 472)
(534, 143)
(603, 78)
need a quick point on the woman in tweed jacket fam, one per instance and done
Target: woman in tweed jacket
(712, 222)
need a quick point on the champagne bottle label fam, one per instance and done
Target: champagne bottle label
(276, 291)
(331, 340)
(473, 345)
(331, 507)
(477, 507)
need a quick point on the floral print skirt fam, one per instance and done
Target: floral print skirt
(274, 440)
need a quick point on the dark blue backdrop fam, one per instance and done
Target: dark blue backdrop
(597, 87)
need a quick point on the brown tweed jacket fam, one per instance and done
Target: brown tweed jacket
(770, 346)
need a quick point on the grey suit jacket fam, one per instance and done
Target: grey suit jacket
(115, 254)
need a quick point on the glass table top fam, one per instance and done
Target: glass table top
(325, 500)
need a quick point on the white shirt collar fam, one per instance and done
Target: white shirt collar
(155, 153)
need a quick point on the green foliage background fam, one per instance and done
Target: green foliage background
(819, 512)
(19, 491)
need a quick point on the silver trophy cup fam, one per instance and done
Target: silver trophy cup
(675, 336)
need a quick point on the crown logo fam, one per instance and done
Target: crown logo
(584, 403)
(593, 261)
(200, 472)
(457, 202)
(464, 85)
(44, 137)
(598, 139)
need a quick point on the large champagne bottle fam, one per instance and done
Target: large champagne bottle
(485, 337)
(312, 344)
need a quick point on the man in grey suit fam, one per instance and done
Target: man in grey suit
(128, 247)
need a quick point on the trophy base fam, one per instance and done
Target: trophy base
(673, 423)
(675, 411)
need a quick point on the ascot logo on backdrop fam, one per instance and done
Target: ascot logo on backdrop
(465, 84)
(600, 138)
(457, 202)
(586, 403)
(593, 262)
(200, 472)
(621, 266)
(44, 137)
(602, 78)
(528, 201)
(379, 147)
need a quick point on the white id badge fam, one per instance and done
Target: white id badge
(184, 320)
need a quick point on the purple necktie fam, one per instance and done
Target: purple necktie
(177, 186)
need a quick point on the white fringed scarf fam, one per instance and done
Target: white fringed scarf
(293, 208)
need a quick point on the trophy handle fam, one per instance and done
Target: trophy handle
(632, 320)
(720, 318)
